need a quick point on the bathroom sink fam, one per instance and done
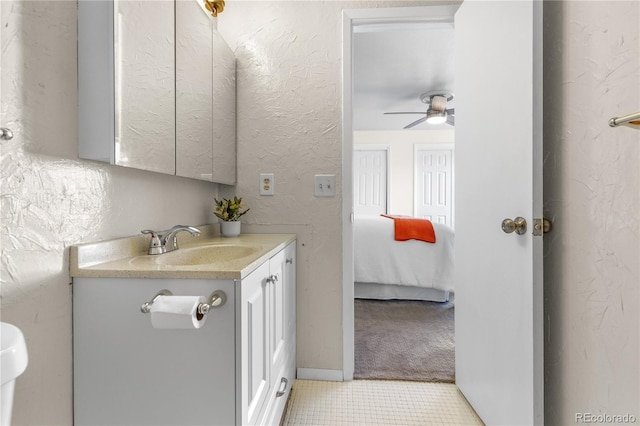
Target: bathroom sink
(13, 352)
(202, 255)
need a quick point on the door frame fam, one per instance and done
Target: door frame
(350, 20)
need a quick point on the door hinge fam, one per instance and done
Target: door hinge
(541, 226)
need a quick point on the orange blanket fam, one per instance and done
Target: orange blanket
(411, 228)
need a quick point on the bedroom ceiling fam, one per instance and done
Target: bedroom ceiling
(394, 64)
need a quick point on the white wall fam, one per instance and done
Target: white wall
(50, 200)
(592, 191)
(402, 160)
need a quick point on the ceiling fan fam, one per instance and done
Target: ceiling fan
(437, 112)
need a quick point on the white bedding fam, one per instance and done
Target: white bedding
(378, 258)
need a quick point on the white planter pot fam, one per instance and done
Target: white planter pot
(230, 229)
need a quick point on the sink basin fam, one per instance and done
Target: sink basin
(202, 255)
(207, 254)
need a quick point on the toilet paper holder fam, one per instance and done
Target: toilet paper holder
(217, 299)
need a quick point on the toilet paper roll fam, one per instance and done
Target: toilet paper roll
(177, 312)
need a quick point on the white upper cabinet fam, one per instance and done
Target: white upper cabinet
(194, 86)
(156, 89)
(205, 98)
(144, 85)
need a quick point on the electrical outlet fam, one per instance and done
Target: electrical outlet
(266, 183)
(325, 185)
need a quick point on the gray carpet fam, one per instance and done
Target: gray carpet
(404, 340)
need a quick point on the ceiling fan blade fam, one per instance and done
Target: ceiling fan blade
(421, 112)
(451, 119)
(451, 111)
(415, 123)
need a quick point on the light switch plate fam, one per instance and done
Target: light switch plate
(266, 184)
(325, 185)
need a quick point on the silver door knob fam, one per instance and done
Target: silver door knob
(519, 224)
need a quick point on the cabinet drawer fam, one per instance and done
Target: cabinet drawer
(280, 391)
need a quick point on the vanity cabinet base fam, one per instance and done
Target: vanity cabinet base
(128, 372)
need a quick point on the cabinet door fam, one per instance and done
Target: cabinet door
(277, 315)
(283, 308)
(254, 343)
(127, 372)
(194, 85)
(283, 338)
(289, 279)
(224, 112)
(144, 73)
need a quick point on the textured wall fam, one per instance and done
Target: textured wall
(50, 200)
(289, 123)
(592, 190)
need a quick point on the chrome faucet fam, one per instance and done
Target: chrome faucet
(166, 241)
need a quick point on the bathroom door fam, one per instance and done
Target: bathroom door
(499, 322)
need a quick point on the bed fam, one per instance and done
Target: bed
(389, 269)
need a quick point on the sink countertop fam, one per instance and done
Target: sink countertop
(115, 258)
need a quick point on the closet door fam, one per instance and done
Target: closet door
(370, 179)
(434, 183)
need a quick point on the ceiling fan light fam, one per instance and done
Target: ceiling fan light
(436, 117)
(438, 103)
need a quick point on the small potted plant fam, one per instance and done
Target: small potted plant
(230, 211)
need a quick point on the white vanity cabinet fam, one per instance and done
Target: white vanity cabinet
(267, 339)
(236, 369)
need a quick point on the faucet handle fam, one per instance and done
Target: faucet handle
(155, 244)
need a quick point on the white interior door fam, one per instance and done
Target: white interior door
(434, 183)
(370, 166)
(499, 357)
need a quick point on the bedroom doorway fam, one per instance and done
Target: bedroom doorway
(403, 322)
(499, 346)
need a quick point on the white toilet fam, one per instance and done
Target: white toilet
(13, 362)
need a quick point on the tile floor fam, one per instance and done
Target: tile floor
(377, 402)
